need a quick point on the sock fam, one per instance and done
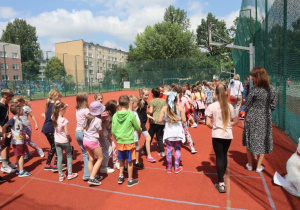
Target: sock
(4, 163)
(221, 183)
(121, 175)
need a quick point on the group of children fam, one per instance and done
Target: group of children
(170, 114)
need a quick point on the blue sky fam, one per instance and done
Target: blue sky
(112, 23)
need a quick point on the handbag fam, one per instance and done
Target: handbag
(234, 99)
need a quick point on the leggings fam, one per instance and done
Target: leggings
(28, 141)
(187, 134)
(170, 146)
(221, 147)
(52, 151)
(59, 151)
(159, 131)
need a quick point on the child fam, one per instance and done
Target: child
(7, 166)
(156, 127)
(107, 143)
(27, 126)
(92, 132)
(62, 139)
(133, 105)
(142, 112)
(173, 115)
(199, 103)
(82, 110)
(123, 125)
(98, 97)
(221, 118)
(48, 129)
(16, 126)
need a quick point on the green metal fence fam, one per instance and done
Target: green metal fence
(275, 31)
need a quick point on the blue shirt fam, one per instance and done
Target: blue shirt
(48, 124)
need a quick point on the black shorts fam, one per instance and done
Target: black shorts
(143, 126)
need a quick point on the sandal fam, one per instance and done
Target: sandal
(221, 189)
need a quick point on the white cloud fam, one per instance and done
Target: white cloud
(7, 12)
(196, 10)
(113, 45)
(230, 18)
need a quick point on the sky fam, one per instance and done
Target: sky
(111, 23)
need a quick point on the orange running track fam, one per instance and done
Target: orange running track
(193, 188)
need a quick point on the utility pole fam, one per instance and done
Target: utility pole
(65, 74)
(76, 72)
(5, 65)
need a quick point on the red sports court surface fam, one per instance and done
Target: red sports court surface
(193, 188)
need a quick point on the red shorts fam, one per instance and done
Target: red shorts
(19, 149)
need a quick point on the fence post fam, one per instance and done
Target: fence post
(284, 76)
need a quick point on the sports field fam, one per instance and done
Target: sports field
(193, 188)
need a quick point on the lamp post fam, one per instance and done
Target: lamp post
(65, 74)
(5, 64)
(76, 72)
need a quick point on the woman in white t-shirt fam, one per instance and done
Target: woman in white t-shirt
(221, 118)
(236, 88)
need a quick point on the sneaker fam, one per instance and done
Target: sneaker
(98, 177)
(194, 125)
(85, 178)
(47, 168)
(41, 153)
(2, 179)
(220, 188)
(162, 154)
(117, 166)
(138, 166)
(62, 177)
(107, 170)
(132, 182)
(72, 176)
(193, 150)
(169, 171)
(121, 179)
(7, 170)
(151, 159)
(178, 170)
(24, 173)
(258, 170)
(94, 182)
(12, 165)
(55, 168)
(26, 156)
(249, 168)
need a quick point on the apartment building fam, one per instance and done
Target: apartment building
(10, 62)
(87, 61)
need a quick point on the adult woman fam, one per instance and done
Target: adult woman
(257, 134)
(236, 88)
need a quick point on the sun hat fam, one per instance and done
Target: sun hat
(97, 108)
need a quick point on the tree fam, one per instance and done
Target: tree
(23, 34)
(163, 41)
(216, 26)
(55, 69)
(177, 16)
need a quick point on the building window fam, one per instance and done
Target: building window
(86, 63)
(14, 55)
(90, 47)
(15, 66)
(103, 64)
(16, 77)
(3, 77)
(2, 54)
(3, 67)
(90, 55)
(110, 52)
(92, 80)
(91, 72)
(104, 57)
(101, 60)
(85, 54)
(91, 63)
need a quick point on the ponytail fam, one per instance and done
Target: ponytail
(222, 98)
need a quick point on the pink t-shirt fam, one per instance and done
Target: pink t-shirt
(80, 117)
(59, 133)
(214, 111)
(92, 133)
(183, 101)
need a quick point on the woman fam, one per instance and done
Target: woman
(257, 134)
(236, 88)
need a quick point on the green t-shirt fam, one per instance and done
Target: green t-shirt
(157, 104)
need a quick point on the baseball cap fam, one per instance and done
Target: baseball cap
(97, 108)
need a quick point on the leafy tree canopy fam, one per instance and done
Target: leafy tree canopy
(55, 69)
(177, 16)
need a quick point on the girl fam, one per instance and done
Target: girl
(142, 113)
(82, 110)
(99, 97)
(48, 129)
(221, 118)
(62, 139)
(183, 102)
(92, 132)
(108, 146)
(173, 116)
(199, 103)
(27, 126)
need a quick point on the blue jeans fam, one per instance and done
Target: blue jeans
(79, 138)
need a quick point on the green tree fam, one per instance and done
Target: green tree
(177, 16)
(55, 69)
(23, 34)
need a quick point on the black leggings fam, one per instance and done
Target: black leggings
(52, 151)
(159, 131)
(221, 147)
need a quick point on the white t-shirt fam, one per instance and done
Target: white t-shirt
(214, 111)
(92, 134)
(236, 88)
(59, 132)
(17, 131)
(135, 133)
(24, 118)
(80, 117)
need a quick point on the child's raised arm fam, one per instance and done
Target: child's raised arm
(34, 120)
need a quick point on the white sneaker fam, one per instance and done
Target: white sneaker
(41, 153)
(107, 170)
(249, 168)
(194, 125)
(258, 170)
(117, 166)
(7, 169)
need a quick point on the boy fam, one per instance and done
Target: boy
(17, 139)
(157, 128)
(123, 125)
(6, 96)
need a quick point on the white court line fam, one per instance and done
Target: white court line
(272, 204)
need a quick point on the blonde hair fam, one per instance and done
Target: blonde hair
(236, 77)
(7, 92)
(58, 106)
(20, 99)
(53, 94)
(27, 103)
(133, 98)
(222, 98)
(97, 94)
(141, 94)
(82, 100)
(172, 115)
